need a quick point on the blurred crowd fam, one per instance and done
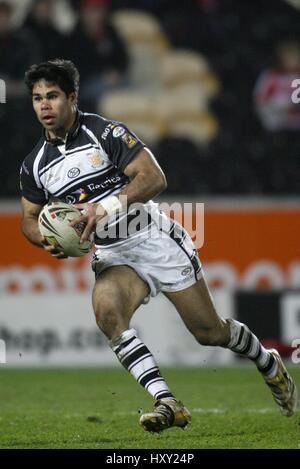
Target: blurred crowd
(206, 83)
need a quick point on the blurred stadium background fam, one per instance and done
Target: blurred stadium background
(201, 83)
(208, 85)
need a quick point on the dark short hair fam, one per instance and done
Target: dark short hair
(57, 72)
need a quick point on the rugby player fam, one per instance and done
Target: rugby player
(97, 164)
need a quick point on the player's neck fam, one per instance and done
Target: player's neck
(63, 131)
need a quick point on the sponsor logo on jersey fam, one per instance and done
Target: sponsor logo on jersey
(129, 140)
(108, 182)
(70, 199)
(186, 271)
(84, 194)
(95, 159)
(73, 173)
(106, 131)
(118, 131)
(77, 196)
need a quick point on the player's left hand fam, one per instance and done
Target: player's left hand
(55, 252)
(91, 215)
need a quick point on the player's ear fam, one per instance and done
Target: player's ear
(73, 98)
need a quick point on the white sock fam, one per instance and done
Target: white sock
(245, 343)
(139, 361)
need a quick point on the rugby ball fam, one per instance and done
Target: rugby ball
(54, 225)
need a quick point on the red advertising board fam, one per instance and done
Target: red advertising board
(245, 248)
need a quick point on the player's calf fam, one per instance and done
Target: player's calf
(214, 336)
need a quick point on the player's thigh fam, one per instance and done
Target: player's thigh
(118, 292)
(196, 308)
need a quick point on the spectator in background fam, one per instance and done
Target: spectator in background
(96, 46)
(18, 49)
(272, 94)
(39, 21)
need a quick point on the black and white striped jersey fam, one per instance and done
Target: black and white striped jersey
(87, 167)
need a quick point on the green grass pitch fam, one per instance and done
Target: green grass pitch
(100, 408)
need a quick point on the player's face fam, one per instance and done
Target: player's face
(53, 108)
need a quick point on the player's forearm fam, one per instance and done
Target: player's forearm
(31, 231)
(143, 187)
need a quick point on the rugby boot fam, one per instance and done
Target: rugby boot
(282, 387)
(167, 413)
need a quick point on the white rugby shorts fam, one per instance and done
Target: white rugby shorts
(166, 261)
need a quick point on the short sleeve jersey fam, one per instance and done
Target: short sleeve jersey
(87, 167)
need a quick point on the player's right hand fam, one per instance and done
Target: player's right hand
(53, 251)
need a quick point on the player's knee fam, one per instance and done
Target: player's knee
(108, 317)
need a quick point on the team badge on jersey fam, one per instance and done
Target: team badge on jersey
(118, 131)
(129, 140)
(73, 173)
(95, 159)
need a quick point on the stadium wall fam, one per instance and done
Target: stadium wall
(251, 260)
